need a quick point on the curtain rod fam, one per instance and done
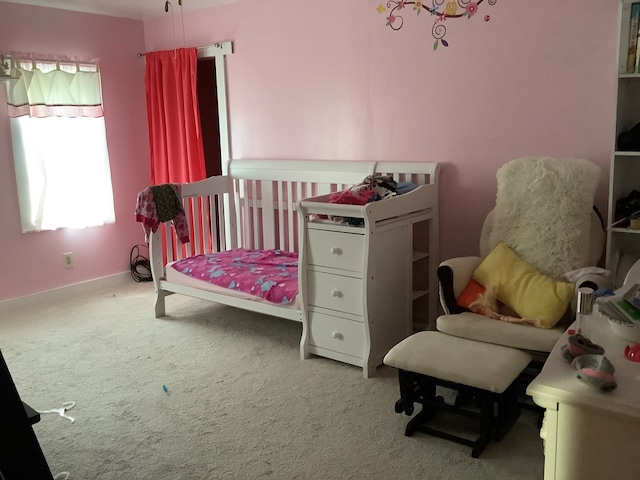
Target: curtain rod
(43, 59)
(206, 50)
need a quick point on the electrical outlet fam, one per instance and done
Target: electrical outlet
(67, 260)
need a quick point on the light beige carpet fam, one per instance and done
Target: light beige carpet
(240, 404)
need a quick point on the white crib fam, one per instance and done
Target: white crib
(274, 204)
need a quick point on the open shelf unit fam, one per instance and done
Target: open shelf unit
(623, 244)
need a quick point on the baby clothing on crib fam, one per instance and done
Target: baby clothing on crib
(158, 204)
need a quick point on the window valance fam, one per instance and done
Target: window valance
(54, 93)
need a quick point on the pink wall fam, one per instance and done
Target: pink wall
(33, 262)
(328, 80)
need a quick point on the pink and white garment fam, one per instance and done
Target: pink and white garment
(147, 214)
(268, 274)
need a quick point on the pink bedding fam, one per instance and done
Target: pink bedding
(268, 274)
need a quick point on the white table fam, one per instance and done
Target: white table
(588, 433)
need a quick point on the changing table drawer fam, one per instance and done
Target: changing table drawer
(335, 292)
(335, 249)
(337, 334)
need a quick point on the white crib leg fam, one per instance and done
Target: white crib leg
(304, 343)
(160, 303)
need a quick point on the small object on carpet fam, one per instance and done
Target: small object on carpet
(66, 406)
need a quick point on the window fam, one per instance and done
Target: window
(59, 145)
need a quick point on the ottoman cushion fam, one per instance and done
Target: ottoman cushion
(481, 365)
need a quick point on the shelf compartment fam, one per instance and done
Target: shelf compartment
(624, 230)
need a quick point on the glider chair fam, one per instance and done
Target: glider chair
(542, 241)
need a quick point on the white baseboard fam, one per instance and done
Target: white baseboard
(68, 290)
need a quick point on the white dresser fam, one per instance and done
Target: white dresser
(590, 434)
(363, 286)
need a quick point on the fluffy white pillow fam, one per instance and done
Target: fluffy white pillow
(543, 211)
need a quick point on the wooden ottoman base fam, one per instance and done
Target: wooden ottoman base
(428, 360)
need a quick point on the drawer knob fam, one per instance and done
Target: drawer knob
(336, 293)
(335, 251)
(336, 335)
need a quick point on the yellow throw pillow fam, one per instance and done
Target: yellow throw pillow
(523, 288)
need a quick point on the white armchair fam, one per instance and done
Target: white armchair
(454, 274)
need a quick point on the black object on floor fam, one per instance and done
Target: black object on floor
(21, 457)
(419, 388)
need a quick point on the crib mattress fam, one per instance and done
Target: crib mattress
(281, 279)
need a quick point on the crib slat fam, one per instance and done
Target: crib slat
(208, 225)
(214, 224)
(232, 222)
(188, 249)
(231, 236)
(294, 197)
(245, 233)
(285, 215)
(196, 214)
(323, 189)
(255, 211)
(268, 217)
(298, 192)
(204, 220)
(286, 218)
(168, 239)
(205, 225)
(179, 247)
(281, 215)
(239, 194)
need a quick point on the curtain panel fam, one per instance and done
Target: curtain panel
(177, 152)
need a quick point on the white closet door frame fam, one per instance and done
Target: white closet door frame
(217, 52)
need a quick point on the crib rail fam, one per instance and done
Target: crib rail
(412, 172)
(255, 205)
(206, 205)
(267, 192)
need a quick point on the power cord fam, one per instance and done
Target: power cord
(140, 265)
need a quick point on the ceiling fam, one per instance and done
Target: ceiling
(136, 9)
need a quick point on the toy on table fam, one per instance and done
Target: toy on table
(632, 353)
(578, 345)
(596, 371)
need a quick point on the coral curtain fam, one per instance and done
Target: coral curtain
(177, 152)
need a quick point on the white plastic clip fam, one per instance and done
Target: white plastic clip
(66, 406)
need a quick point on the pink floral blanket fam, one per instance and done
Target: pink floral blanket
(269, 274)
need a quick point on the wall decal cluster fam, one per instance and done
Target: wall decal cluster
(440, 10)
